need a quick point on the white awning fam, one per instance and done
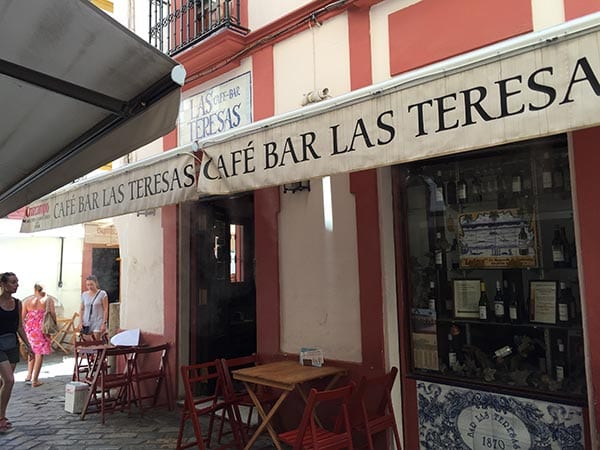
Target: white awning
(530, 86)
(161, 180)
(78, 90)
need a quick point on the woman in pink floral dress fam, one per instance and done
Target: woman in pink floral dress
(33, 311)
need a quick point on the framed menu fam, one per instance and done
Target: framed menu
(466, 298)
(543, 301)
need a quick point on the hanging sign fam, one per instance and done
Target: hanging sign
(163, 180)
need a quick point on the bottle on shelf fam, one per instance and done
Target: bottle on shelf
(432, 298)
(454, 255)
(440, 247)
(475, 190)
(483, 303)
(569, 249)
(516, 184)
(452, 353)
(565, 305)
(451, 194)
(558, 180)
(558, 249)
(514, 314)
(439, 188)
(461, 190)
(523, 241)
(499, 310)
(560, 365)
(546, 173)
(449, 301)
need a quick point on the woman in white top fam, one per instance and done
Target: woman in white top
(93, 312)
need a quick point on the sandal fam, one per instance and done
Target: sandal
(36, 383)
(5, 425)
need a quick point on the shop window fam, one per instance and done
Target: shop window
(491, 262)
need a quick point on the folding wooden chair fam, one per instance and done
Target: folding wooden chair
(110, 390)
(203, 380)
(309, 435)
(64, 338)
(239, 395)
(151, 365)
(84, 359)
(372, 410)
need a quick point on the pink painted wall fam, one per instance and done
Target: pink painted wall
(430, 30)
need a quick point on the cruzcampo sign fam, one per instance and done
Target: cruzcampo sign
(551, 86)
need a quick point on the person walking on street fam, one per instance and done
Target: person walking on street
(10, 326)
(93, 312)
(34, 308)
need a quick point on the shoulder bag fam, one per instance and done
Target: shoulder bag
(49, 325)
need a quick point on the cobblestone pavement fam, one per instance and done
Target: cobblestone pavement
(40, 421)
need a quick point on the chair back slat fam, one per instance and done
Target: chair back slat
(372, 408)
(310, 434)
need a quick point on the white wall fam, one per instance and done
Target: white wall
(141, 250)
(262, 12)
(318, 267)
(36, 257)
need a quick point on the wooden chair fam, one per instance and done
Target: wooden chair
(151, 365)
(240, 396)
(204, 378)
(84, 360)
(372, 410)
(309, 435)
(110, 390)
(64, 338)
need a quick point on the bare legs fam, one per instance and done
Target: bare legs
(8, 381)
(34, 365)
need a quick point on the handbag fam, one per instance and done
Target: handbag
(8, 341)
(49, 325)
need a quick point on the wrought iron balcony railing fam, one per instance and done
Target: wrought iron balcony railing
(177, 24)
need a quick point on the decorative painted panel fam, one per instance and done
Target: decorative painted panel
(464, 419)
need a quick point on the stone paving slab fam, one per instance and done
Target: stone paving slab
(41, 422)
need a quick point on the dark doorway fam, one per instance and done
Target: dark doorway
(223, 316)
(105, 265)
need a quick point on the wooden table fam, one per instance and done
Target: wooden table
(286, 376)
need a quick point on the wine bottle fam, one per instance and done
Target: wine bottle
(546, 173)
(563, 305)
(440, 247)
(558, 249)
(517, 184)
(499, 304)
(451, 195)
(523, 241)
(461, 190)
(432, 301)
(483, 303)
(449, 300)
(567, 246)
(452, 353)
(558, 181)
(560, 366)
(475, 190)
(439, 188)
(455, 255)
(513, 306)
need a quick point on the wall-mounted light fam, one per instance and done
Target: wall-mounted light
(147, 212)
(297, 186)
(315, 96)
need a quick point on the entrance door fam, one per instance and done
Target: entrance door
(223, 316)
(106, 266)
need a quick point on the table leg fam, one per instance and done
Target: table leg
(266, 418)
(332, 383)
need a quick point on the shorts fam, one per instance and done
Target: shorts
(12, 355)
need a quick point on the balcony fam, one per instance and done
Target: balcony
(175, 25)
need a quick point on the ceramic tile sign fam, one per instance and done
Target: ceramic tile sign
(464, 419)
